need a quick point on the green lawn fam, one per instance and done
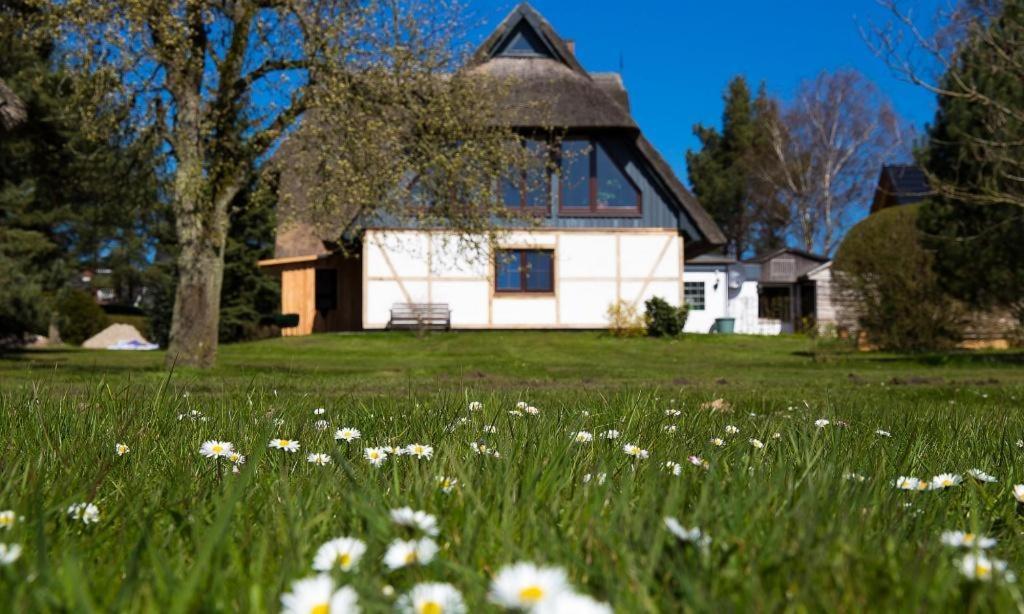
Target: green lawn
(790, 528)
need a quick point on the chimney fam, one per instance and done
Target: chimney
(571, 44)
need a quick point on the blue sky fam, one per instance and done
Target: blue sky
(678, 55)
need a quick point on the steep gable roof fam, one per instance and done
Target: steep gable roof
(525, 21)
(900, 184)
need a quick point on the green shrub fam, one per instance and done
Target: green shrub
(887, 276)
(79, 317)
(662, 319)
(22, 303)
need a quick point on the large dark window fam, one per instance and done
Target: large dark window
(326, 289)
(529, 188)
(593, 182)
(524, 270)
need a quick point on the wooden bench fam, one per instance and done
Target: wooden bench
(420, 316)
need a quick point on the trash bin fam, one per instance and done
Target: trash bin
(725, 326)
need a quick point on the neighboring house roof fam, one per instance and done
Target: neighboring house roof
(762, 258)
(12, 109)
(900, 184)
(711, 259)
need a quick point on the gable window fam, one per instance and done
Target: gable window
(593, 183)
(529, 188)
(524, 270)
(693, 295)
(524, 42)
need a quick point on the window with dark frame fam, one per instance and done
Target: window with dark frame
(593, 183)
(529, 188)
(693, 295)
(524, 270)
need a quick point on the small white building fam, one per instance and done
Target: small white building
(718, 287)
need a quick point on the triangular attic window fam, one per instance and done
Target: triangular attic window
(523, 42)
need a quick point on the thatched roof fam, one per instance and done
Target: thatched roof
(12, 109)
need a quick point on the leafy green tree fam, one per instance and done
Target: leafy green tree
(975, 224)
(720, 173)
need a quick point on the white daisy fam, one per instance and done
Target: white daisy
(821, 423)
(319, 411)
(288, 445)
(882, 433)
(673, 467)
(415, 519)
(757, 443)
(692, 536)
(522, 405)
(571, 603)
(610, 434)
(216, 449)
(402, 553)
(731, 430)
(635, 451)
(854, 477)
(446, 484)
(1018, 492)
(515, 412)
(527, 586)
(669, 428)
(236, 458)
(432, 598)
(717, 441)
(376, 456)
(347, 434)
(321, 425)
(945, 480)
(698, 461)
(341, 553)
(981, 476)
(960, 539)
(316, 595)
(530, 409)
(9, 553)
(121, 449)
(583, 437)
(907, 483)
(475, 406)
(601, 477)
(979, 567)
(87, 513)
(490, 428)
(7, 519)
(419, 450)
(319, 458)
(673, 413)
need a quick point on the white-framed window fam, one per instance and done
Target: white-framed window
(693, 294)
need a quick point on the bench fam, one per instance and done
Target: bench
(420, 316)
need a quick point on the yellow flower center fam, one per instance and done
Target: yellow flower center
(344, 560)
(320, 608)
(531, 594)
(410, 558)
(217, 449)
(982, 570)
(283, 442)
(430, 607)
(968, 538)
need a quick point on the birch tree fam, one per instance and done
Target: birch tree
(223, 82)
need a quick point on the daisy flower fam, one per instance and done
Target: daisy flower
(490, 428)
(981, 476)
(475, 406)
(121, 449)
(691, 536)
(907, 483)
(317, 595)
(882, 433)
(521, 405)
(288, 445)
(7, 519)
(515, 412)
(757, 443)
(87, 513)
(236, 458)
(321, 425)
(341, 553)
(319, 411)
(376, 456)
(717, 441)
(431, 598)
(530, 409)
(698, 461)
(446, 484)
(635, 451)
(855, 477)
(527, 586)
(673, 413)
(347, 434)
(945, 480)
(669, 428)
(821, 423)
(216, 449)
(1018, 492)
(610, 434)
(979, 567)
(319, 458)
(960, 539)
(583, 437)
(419, 450)
(601, 477)
(673, 467)
(572, 602)
(731, 430)
(9, 553)
(401, 553)
(415, 519)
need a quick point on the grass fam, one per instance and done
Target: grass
(789, 531)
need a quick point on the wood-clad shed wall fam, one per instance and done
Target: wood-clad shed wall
(298, 284)
(298, 296)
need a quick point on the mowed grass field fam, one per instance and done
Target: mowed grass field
(798, 514)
